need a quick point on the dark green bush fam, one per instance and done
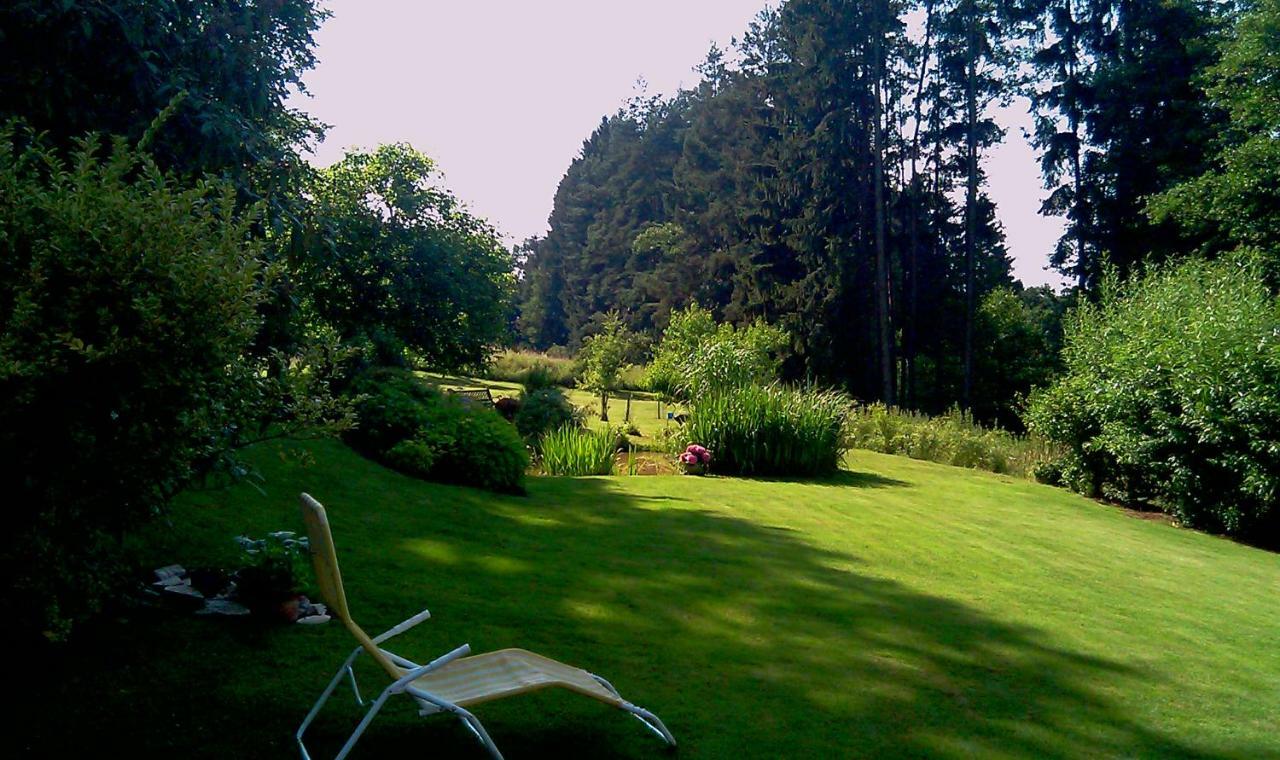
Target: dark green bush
(544, 410)
(1171, 397)
(770, 430)
(127, 307)
(411, 426)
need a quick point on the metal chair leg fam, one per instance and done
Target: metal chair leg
(473, 723)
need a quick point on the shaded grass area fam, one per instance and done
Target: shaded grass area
(901, 609)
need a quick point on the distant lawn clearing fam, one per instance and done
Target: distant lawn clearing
(644, 406)
(902, 609)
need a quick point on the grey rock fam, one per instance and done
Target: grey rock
(183, 596)
(170, 571)
(224, 607)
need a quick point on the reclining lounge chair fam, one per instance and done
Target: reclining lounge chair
(452, 682)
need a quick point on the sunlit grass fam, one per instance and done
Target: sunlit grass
(900, 609)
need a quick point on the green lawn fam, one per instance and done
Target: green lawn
(647, 414)
(902, 609)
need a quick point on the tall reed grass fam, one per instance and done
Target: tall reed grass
(770, 429)
(953, 438)
(572, 450)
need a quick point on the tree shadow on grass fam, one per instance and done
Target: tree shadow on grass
(747, 640)
(842, 478)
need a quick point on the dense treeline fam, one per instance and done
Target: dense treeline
(826, 175)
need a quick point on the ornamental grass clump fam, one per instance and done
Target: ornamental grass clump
(771, 429)
(572, 450)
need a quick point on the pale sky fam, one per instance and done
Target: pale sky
(501, 93)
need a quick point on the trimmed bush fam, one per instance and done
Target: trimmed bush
(543, 411)
(771, 430)
(571, 450)
(1171, 397)
(953, 438)
(414, 428)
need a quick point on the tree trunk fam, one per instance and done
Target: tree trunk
(604, 406)
(1073, 119)
(970, 212)
(909, 342)
(882, 258)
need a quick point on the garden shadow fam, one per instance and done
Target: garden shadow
(748, 641)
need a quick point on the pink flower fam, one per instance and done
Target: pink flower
(700, 453)
(689, 458)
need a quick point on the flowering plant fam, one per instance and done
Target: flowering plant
(695, 459)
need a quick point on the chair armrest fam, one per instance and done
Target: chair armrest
(401, 627)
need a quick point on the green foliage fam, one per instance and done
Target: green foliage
(770, 430)
(1105, 72)
(395, 263)
(83, 66)
(127, 305)
(410, 426)
(1018, 335)
(545, 410)
(573, 450)
(1171, 397)
(603, 358)
(953, 438)
(532, 370)
(272, 569)
(696, 356)
(752, 194)
(1236, 203)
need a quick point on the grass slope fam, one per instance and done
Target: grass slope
(901, 609)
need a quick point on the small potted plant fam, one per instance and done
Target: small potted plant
(275, 571)
(695, 459)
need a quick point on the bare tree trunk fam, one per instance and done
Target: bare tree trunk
(970, 213)
(604, 406)
(882, 258)
(909, 347)
(1073, 119)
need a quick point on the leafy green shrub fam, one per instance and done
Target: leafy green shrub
(127, 310)
(696, 356)
(954, 438)
(571, 450)
(770, 430)
(410, 426)
(1171, 397)
(542, 411)
(603, 358)
(272, 569)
